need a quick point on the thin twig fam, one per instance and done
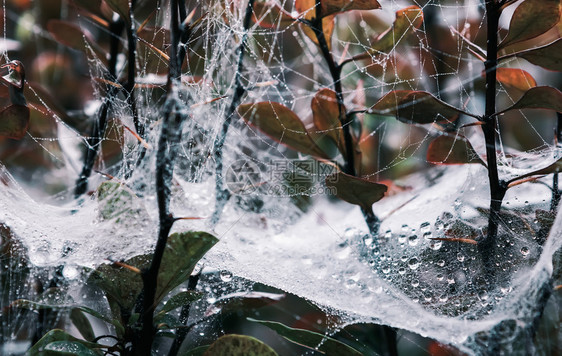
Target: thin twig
(222, 195)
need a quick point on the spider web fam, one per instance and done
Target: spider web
(282, 230)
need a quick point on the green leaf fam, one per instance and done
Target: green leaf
(548, 56)
(57, 335)
(68, 348)
(52, 298)
(269, 14)
(282, 125)
(415, 107)
(14, 121)
(117, 201)
(121, 285)
(182, 253)
(539, 98)
(239, 345)
(181, 299)
(71, 35)
(166, 322)
(310, 339)
(82, 323)
(238, 301)
(197, 351)
(118, 326)
(452, 150)
(356, 190)
(407, 21)
(326, 116)
(531, 19)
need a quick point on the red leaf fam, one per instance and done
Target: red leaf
(326, 116)
(14, 121)
(415, 107)
(452, 150)
(516, 78)
(356, 190)
(281, 124)
(548, 57)
(531, 19)
(539, 98)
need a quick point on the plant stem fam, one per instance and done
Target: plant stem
(165, 159)
(131, 73)
(497, 187)
(99, 127)
(556, 193)
(222, 195)
(316, 25)
(181, 333)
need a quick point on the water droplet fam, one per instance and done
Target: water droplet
(402, 270)
(460, 257)
(225, 276)
(343, 251)
(70, 272)
(483, 295)
(404, 258)
(388, 234)
(443, 298)
(439, 277)
(435, 244)
(368, 240)
(524, 251)
(405, 228)
(441, 263)
(413, 240)
(386, 269)
(427, 235)
(425, 227)
(415, 283)
(413, 263)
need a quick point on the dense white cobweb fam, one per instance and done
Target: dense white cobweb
(278, 233)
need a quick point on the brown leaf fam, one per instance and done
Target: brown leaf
(452, 150)
(121, 7)
(71, 35)
(331, 7)
(326, 116)
(270, 14)
(14, 121)
(548, 57)
(327, 27)
(531, 19)
(415, 107)
(282, 125)
(356, 190)
(543, 97)
(516, 78)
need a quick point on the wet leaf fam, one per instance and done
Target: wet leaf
(239, 345)
(282, 125)
(415, 107)
(93, 6)
(326, 116)
(182, 253)
(71, 35)
(82, 323)
(269, 14)
(531, 19)
(115, 199)
(118, 326)
(53, 336)
(545, 218)
(196, 351)
(407, 21)
(355, 190)
(121, 286)
(330, 7)
(328, 25)
(333, 7)
(68, 348)
(243, 300)
(452, 150)
(14, 121)
(539, 98)
(181, 299)
(516, 78)
(548, 56)
(310, 339)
